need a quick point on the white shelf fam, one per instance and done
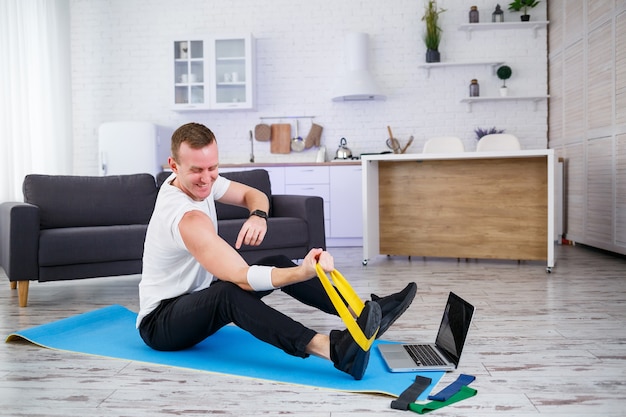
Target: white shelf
(471, 100)
(234, 58)
(431, 65)
(535, 26)
(232, 84)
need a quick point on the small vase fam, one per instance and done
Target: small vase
(474, 88)
(432, 55)
(504, 91)
(473, 15)
(525, 17)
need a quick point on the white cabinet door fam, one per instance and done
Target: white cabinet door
(232, 75)
(338, 185)
(190, 75)
(310, 180)
(346, 213)
(277, 179)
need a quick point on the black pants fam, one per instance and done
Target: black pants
(184, 321)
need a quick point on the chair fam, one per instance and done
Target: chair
(443, 144)
(498, 142)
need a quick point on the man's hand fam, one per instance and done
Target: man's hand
(252, 232)
(314, 256)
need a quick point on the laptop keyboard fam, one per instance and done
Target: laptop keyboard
(424, 354)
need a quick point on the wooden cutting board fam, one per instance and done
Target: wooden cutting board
(280, 141)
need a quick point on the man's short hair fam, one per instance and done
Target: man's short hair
(196, 135)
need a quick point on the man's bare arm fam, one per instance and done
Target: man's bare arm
(254, 229)
(224, 262)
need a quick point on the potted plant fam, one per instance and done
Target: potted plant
(480, 132)
(523, 5)
(504, 73)
(432, 36)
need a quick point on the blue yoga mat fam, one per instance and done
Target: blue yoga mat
(111, 332)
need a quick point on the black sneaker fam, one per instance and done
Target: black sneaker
(345, 353)
(392, 306)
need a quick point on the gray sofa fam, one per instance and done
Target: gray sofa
(73, 227)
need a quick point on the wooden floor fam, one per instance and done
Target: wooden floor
(541, 345)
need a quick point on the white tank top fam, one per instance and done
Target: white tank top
(169, 270)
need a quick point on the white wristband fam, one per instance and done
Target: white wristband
(260, 277)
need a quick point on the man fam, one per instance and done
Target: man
(193, 282)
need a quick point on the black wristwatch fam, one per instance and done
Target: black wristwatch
(259, 213)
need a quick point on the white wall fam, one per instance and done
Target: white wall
(121, 61)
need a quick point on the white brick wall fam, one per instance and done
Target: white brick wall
(120, 71)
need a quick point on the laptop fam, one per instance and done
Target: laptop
(445, 353)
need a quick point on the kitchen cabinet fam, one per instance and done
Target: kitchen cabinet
(276, 174)
(233, 73)
(346, 193)
(214, 73)
(338, 184)
(340, 187)
(310, 180)
(190, 74)
(277, 179)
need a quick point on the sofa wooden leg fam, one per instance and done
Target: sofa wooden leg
(13, 284)
(22, 292)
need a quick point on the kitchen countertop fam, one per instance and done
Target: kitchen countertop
(530, 153)
(289, 164)
(281, 164)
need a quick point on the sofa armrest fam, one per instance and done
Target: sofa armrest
(19, 240)
(308, 208)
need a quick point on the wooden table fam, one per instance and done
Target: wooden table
(485, 205)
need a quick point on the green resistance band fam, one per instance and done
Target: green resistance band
(464, 393)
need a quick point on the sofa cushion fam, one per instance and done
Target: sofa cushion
(256, 178)
(161, 177)
(82, 245)
(75, 201)
(282, 232)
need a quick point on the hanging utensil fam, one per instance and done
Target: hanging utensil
(314, 136)
(262, 132)
(251, 148)
(280, 138)
(297, 143)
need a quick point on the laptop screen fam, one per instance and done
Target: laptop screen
(454, 326)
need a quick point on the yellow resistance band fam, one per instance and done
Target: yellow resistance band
(341, 286)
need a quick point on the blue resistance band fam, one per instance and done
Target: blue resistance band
(453, 388)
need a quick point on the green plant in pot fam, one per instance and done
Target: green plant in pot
(523, 5)
(504, 73)
(432, 35)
